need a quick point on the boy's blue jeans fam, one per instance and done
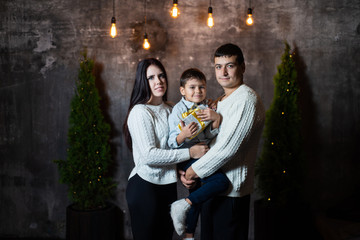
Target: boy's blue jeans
(208, 188)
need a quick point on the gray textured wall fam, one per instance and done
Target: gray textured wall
(40, 44)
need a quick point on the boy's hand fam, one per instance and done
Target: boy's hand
(208, 115)
(186, 132)
(189, 130)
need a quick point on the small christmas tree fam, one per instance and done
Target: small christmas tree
(86, 170)
(279, 166)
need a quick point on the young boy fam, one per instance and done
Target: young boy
(204, 127)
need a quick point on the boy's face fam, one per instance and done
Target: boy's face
(194, 90)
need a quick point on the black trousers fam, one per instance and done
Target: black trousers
(149, 206)
(225, 218)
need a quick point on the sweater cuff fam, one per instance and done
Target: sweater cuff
(198, 170)
(183, 154)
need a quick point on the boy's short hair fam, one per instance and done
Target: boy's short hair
(228, 50)
(191, 73)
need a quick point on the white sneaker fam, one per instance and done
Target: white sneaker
(178, 212)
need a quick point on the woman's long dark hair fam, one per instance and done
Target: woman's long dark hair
(141, 92)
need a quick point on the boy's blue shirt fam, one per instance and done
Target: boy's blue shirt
(174, 119)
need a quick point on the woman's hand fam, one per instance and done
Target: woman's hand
(198, 150)
(189, 184)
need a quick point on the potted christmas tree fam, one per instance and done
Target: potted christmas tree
(86, 170)
(279, 168)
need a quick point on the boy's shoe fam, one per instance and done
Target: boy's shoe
(178, 212)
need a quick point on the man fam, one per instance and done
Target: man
(233, 151)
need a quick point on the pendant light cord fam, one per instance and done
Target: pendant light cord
(145, 14)
(113, 8)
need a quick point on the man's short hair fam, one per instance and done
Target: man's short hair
(228, 50)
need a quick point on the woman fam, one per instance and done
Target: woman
(152, 183)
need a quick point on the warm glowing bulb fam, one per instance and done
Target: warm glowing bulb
(113, 28)
(249, 20)
(210, 20)
(146, 44)
(175, 11)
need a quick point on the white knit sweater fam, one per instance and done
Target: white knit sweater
(234, 150)
(154, 161)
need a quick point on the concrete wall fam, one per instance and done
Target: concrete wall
(40, 45)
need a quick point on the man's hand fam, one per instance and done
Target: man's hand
(198, 150)
(189, 184)
(212, 104)
(190, 174)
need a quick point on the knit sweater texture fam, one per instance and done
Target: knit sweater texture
(234, 150)
(154, 161)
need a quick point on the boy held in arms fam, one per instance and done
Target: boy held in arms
(193, 105)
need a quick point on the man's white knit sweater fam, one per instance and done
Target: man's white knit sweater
(234, 150)
(154, 161)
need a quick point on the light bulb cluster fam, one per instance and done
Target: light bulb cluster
(175, 12)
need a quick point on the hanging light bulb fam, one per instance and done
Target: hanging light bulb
(210, 20)
(113, 31)
(175, 12)
(146, 44)
(249, 20)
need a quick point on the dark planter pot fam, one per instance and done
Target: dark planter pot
(100, 224)
(287, 222)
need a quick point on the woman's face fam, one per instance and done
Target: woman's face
(157, 83)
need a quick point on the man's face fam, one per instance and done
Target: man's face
(229, 73)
